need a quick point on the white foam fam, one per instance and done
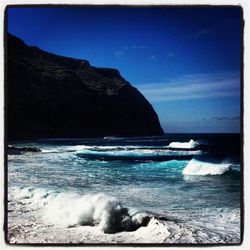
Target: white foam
(112, 138)
(141, 152)
(72, 209)
(26, 225)
(190, 144)
(196, 167)
(105, 148)
(128, 150)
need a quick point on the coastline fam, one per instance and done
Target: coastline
(25, 227)
(161, 187)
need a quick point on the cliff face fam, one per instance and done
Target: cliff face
(54, 96)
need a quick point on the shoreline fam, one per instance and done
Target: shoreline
(26, 225)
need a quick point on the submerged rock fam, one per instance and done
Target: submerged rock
(55, 96)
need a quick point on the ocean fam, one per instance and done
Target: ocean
(176, 188)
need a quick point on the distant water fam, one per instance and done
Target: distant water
(177, 188)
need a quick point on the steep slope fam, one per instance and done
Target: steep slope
(54, 96)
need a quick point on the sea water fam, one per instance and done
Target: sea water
(177, 188)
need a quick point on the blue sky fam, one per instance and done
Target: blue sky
(186, 61)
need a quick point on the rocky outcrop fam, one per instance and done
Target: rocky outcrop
(20, 150)
(54, 96)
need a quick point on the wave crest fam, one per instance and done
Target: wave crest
(190, 144)
(196, 167)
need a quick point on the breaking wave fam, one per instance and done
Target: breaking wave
(190, 144)
(196, 167)
(72, 209)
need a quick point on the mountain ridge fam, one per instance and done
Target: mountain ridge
(50, 95)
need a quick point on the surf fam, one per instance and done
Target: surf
(196, 167)
(191, 144)
(72, 209)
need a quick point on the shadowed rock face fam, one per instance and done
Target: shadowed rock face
(54, 96)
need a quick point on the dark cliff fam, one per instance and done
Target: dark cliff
(55, 96)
